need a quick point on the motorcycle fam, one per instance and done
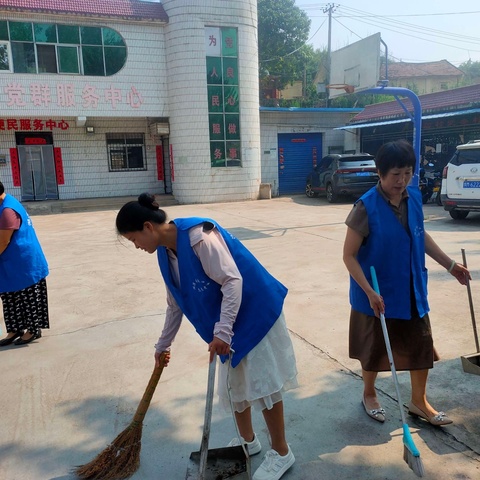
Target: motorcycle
(437, 188)
(430, 184)
(426, 186)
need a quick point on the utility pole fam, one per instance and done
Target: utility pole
(330, 8)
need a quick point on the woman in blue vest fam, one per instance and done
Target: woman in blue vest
(23, 268)
(235, 305)
(385, 230)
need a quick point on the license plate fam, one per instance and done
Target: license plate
(471, 184)
(364, 174)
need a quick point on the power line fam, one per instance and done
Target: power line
(387, 22)
(421, 28)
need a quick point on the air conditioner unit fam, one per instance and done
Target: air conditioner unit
(159, 129)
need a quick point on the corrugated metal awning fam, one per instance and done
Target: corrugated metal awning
(403, 120)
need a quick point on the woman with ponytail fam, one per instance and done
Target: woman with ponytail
(235, 305)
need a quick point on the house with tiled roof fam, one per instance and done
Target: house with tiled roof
(423, 77)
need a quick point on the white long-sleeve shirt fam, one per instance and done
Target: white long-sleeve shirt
(219, 265)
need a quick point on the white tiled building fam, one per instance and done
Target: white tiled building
(109, 98)
(105, 98)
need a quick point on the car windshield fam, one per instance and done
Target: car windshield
(465, 157)
(357, 162)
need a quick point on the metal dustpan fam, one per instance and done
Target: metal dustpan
(471, 363)
(232, 463)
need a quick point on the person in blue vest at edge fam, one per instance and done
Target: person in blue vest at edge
(235, 305)
(23, 271)
(385, 229)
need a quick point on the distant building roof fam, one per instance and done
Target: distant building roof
(447, 100)
(128, 9)
(442, 68)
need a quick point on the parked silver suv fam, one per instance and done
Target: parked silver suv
(461, 181)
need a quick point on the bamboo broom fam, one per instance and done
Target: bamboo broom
(121, 459)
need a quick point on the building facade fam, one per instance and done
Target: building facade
(115, 97)
(295, 139)
(109, 98)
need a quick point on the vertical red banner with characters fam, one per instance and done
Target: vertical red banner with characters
(160, 169)
(171, 163)
(17, 182)
(57, 157)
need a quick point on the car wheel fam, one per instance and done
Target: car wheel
(332, 197)
(309, 192)
(459, 214)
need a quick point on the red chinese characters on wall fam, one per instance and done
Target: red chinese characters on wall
(15, 167)
(33, 125)
(57, 158)
(65, 95)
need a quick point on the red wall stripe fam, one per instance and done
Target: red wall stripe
(160, 169)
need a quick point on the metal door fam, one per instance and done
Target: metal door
(298, 153)
(37, 172)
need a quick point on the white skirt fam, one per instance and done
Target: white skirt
(262, 375)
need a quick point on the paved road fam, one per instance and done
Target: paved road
(63, 398)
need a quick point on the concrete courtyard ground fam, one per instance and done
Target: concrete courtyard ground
(64, 397)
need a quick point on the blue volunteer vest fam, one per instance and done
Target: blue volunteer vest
(397, 257)
(199, 297)
(22, 264)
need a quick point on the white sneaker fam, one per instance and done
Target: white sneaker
(253, 447)
(274, 465)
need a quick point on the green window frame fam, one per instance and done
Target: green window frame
(68, 59)
(5, 57)
(31, 47)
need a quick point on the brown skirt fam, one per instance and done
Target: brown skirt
(411, 341)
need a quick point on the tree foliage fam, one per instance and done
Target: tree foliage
(283, 30)
(471, 71)
(285, 57)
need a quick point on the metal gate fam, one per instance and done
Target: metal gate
(297, 154)
(37, 172)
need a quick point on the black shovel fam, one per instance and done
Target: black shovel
(471, 363)
(232, 463)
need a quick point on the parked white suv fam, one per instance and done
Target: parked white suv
(461, 181)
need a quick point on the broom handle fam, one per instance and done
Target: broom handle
(388, 347)
(147, 396)
(470, 301)
(208, 419)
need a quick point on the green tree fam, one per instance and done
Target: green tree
(471, 71)
(283, 30)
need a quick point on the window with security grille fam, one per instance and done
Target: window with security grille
(126, 152)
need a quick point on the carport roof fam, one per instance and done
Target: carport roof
(403, 120)
(432, 103)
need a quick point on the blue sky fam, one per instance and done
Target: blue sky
(414, 30)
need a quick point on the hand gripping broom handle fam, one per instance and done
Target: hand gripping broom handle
(147, 396)
(388, 347)
(470, 301)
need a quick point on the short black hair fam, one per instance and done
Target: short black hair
(395, 154)
(2, 188)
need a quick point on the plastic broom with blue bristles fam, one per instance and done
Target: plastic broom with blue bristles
(411, 455)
